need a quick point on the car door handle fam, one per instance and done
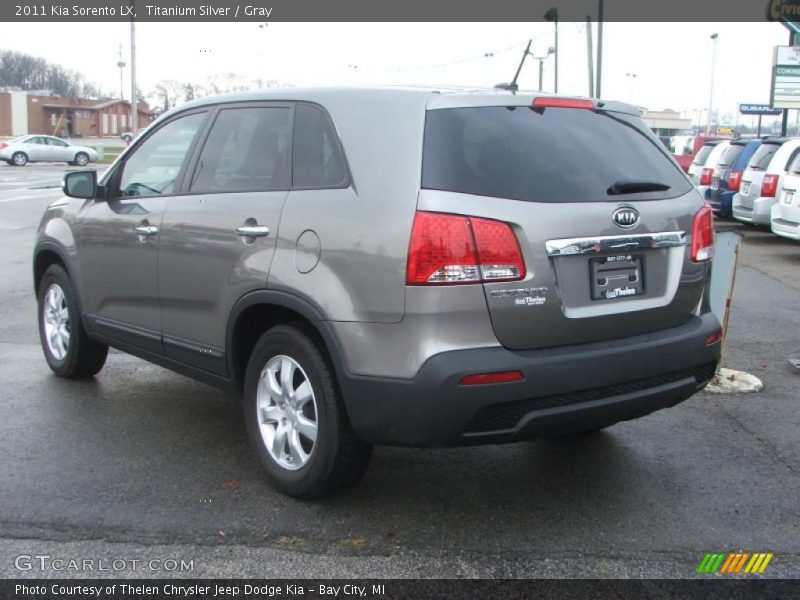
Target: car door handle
(252, 231)
(146, 230)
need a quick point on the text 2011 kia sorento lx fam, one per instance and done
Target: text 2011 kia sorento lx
(389, 266)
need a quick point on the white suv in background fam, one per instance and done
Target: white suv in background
(762, 178)
(785, 215)
(706, 174)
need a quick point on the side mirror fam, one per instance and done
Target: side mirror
(81, 184)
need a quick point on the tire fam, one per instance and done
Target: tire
(81, 159)
(336, 458)
(79, 356)
(19, 159)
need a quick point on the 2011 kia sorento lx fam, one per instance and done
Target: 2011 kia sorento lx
(389, 266)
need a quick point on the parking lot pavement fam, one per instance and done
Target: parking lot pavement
(140, 463)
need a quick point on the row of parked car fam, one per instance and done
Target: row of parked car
(756, 181)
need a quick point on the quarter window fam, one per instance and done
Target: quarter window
(317, 161)
(153, 167)
(247, 150)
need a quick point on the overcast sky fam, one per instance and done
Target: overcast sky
(671, 61)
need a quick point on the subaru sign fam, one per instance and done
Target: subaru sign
(758, 109)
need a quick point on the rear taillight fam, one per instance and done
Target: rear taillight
(3, 145)
(545, 102)
(769, 186)
(706, 176)
(452, 249)
(703, 235)
(734, 181)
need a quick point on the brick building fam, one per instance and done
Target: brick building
(23, 113)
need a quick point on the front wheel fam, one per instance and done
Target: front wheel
(295, 417)
(81, 159)
(67, 348)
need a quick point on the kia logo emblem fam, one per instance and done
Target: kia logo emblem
(625, 217)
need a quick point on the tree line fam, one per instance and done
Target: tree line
(28, 72)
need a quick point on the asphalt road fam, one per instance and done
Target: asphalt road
(142, 464)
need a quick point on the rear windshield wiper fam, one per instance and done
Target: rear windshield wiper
(633, 186)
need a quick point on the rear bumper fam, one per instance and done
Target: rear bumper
(720, 201)
(565, 389)
(759, 214)
(784, 228)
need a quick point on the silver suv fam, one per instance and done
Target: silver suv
(389, 266)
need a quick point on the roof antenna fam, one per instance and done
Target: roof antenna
(513, 86)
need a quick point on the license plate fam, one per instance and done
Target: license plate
(715, 184)
(617, 277)
(745, 188)
(787, 198)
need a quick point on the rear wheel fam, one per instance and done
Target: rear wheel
(295, 418)
(19, 159)
(67, 348)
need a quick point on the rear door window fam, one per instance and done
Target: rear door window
(247, 150)
(702, 154)
(730, 154)
(762, 156)
(544, 155)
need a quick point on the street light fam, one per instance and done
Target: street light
(631, 77)
(552, 15)
(541, 60)
(714, 37)
(121, 66)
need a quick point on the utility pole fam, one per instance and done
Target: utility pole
(121, 66)
(590, 56)
(599, 48)
(714, 37)
(134, 99)
(552, 15)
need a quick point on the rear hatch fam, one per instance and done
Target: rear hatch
(722, 169)
(753, 175)
(601, 211)
(699, 161)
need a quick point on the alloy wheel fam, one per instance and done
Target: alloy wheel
(287, 412)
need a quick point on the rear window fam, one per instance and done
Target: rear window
(543, 155)
(702, 154)
(762, 156)
(730, 154)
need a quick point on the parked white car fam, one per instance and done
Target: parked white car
(761, 180)
(44, 148)
(785, 213)
(705, 177)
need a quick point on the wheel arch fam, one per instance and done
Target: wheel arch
(45, 256)
(257, 311)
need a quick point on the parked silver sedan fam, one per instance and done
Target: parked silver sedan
(44, 148)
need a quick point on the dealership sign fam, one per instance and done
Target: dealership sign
(785, 91)
(758, 109)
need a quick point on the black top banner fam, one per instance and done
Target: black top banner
(393, 10)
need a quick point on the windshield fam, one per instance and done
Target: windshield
(762, 156)
(544, 155)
